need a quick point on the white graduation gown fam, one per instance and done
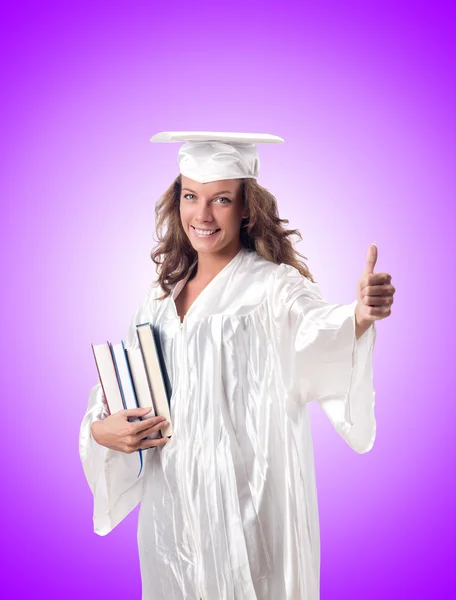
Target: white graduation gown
(229, 505)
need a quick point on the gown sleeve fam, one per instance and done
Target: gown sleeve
(322, 359)
(112, 475)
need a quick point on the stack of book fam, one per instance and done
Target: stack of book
(135, 377)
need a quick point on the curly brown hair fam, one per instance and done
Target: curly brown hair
(262, 231)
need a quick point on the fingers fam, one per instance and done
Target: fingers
(144, 444)
(137, 427)
(154, 423)
(378, 290)
(152, 427)
(379, 311)
(132, 444)
(378, 300)
(377, 279)
(134, 412)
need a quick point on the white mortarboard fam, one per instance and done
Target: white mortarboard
(211, 156)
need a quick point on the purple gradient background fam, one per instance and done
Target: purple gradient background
(363, 95)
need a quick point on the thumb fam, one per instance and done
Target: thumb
(372, 255)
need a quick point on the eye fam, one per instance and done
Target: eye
(228, 201)
(186, 196)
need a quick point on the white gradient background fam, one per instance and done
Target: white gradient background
(363, 94)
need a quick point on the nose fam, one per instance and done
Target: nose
(204, 212)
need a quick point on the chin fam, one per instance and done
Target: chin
(205, 248)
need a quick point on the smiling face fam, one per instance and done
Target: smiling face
(211, 214)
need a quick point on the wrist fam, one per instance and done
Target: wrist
(361, 325)
(94, 430)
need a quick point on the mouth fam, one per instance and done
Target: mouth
(204, 232)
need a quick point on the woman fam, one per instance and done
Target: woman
(229, 502)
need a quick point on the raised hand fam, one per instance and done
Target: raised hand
(375, 293)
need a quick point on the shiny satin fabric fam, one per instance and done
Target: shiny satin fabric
(229, 505)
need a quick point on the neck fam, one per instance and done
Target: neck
(211, 263)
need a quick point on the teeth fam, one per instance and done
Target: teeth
(205, 231)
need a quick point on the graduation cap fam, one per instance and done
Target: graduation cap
(212, 156)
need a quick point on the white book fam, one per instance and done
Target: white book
(154, 374)
(141, 385)
(108, 377)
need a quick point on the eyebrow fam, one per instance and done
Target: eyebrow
(216, 193)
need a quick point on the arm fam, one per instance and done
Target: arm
(322, 358)
(112, 475)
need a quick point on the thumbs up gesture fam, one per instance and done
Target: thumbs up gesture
(375, 293)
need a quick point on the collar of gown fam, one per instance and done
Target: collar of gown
(216, 295)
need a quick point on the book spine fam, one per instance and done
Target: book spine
(118, 375)
(135, 396)
(100, 379)
(147, 372)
